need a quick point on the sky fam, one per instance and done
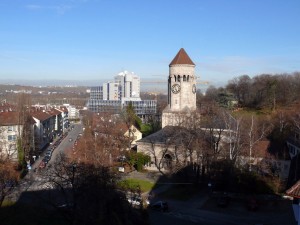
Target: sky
(97, 39)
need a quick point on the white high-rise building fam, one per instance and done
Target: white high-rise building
(129, 86)
(111, 91)
(114, 95)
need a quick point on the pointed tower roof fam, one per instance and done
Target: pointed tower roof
(182, 58)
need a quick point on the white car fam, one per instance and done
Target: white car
(134, 200)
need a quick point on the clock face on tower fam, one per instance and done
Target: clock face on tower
(176, 88)
(194, 88)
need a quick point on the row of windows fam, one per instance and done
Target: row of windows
(141, 107)
(177, 78)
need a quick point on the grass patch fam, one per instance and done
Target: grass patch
(134, 184)
(180, 192)
(7, 203)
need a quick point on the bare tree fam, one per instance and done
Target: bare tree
(233, 135)
(86, 194)
(8, 177)
(257, 131)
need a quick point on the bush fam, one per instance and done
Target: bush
(23, 173)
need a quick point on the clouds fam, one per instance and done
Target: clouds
(58, 9)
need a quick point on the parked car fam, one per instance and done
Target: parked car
(135, 200)
(46, 159)
(223, 201)
(252, 204)
(160, 206)
(49, 152)
(42, 165)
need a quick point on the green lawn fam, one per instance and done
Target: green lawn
(135, 184)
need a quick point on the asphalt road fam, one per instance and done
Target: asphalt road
(35, 180)
(202, 209)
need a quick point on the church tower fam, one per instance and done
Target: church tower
(181, 90)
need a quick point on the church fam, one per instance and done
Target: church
(167, 147)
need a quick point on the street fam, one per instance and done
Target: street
(34, 179)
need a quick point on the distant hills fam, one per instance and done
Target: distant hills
(46, 83)
(147, 85)
(160, 87)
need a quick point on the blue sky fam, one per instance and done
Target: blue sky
(96, 39)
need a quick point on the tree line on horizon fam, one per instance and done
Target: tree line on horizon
(264, 91)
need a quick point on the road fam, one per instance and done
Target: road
(35, 180)
(192, 212)
(202, 209)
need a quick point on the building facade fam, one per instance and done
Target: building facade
(181, 90)
(113, 96)
(10, 131)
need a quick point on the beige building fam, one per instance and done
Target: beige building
(166, 147)
(181, 91)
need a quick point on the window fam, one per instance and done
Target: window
(12, 137)
(178, 78)
(10, 128)
(184, 78)
(292, 150)
(175, 77)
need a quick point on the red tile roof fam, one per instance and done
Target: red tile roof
(261, 148)
(182, 58)
(41, 115)
(6, 107)
(54, 112)
(9, 118)
(12, 118)
(294, 191)
(64, 109)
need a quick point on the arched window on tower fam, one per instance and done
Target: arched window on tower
(175, 78)
(178, 78)
(188, 78)
(184, 78)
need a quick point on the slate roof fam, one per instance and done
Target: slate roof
(294, 191)
(182, 58)
(171, 134)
